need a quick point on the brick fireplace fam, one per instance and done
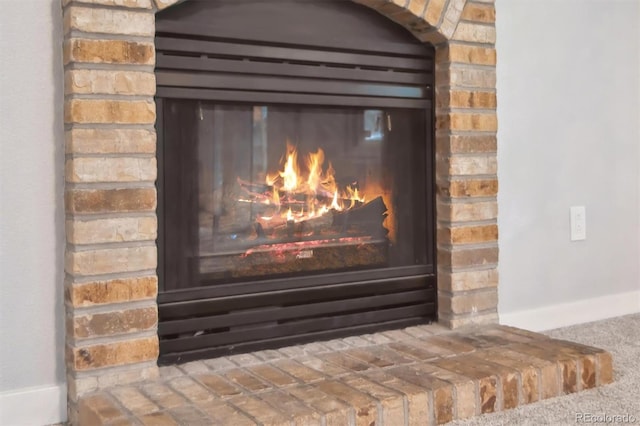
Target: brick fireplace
(110, 198)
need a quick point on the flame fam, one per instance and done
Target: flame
(314, 164)
(354, 196)
(314, 192)
(334, 203)
(290, 172)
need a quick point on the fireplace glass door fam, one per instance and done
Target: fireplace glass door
(255, 192)
(295, 175)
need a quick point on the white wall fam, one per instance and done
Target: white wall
(31, 213)
(569, 134)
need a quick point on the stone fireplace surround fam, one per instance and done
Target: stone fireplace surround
(110, 170)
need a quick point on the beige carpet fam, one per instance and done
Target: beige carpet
(621, 337)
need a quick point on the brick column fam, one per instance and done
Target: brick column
(467, 170)
(110, 197)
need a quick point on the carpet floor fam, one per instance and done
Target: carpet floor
(621, 337)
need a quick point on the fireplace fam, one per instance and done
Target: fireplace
(296, 176)
(113, 61)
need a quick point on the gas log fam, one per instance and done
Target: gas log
(279, 227)
(367, 219)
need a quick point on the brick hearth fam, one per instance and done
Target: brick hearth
(418, 376)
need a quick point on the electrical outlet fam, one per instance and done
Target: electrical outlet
(578, 223)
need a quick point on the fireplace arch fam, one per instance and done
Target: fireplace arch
(110, 203)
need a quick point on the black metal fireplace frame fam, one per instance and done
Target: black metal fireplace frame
(262, 66)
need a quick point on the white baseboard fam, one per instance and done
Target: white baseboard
(35, 406)
(579, 312)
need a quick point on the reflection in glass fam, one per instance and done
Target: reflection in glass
(254, 192)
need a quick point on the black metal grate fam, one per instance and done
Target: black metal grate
(219, 326)
(226, 71)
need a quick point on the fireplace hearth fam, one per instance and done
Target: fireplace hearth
(295, 176)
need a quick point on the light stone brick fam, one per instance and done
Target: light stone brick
(451, 18)
(108, 261)
(127, 374)
(474, 211)
(430, 36)
(191, 389)
(134, 4)
(194, 367)
(433, 12)
(470, 188)
(109, 21)
(479, 12)
(110, 200)
(110, 169)
(392, 8)
(112, 230)
(465, 257)
(464, 53)
(466, 144)
(158, 419)
(100, 410)
(169, 372)
(462, 212)
(86, 358)
(111, 291)
(109, 82)
(475, 33)
(77, 386)
(219, 364)
(604, 368)
(472, 99)
(159, 393)
(468, 234)
(467, 122)
(100, 111)
(469, 303)
(244, 360)
(163, 4)
(110, 141)
(390, 400)
(467, 280)
(108, 52)
(482, 78)
(133, 400)
(476, 165)
(417, 7)
(112, 323)
(456, 321)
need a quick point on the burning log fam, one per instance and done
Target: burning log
(257, 188)
(280, 227)
(369, 215)
(367, 218)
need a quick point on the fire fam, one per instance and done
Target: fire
(290, 172)
(314, 192)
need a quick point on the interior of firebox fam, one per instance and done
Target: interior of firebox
(271, 191)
